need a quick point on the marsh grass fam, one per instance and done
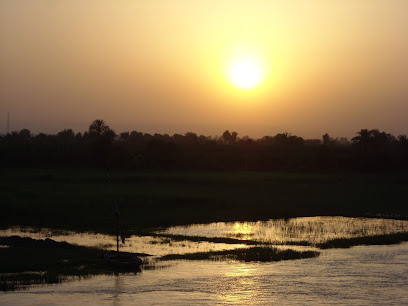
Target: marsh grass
(308, 231)
(367, 240)
(259, 254)
(169, 237)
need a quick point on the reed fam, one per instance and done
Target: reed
(258, 254)
(367, 240)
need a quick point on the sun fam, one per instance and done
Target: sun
(245, 73)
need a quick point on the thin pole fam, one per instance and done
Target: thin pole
(117, 234)
(8, 123)
(117, 213)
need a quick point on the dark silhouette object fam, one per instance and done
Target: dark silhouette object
(191, 138)
(403, 139)
(362, 139)
(229, 138)
(376, 151)
(98, 127)
(124, 136)
(226, 136)
(121, 259)
(370, 150)
(101, 139)
(22, 137)
(327, 140)
(372, 139)
(67, 133)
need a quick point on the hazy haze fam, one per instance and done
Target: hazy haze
(159, 66)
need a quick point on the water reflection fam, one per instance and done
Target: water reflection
(238, 286)
(311, 229)
(243, 230)
(358, 276)
(118, 289)
(156, 246)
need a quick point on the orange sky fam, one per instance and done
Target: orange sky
(159, 66)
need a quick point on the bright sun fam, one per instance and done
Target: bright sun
(245, 73)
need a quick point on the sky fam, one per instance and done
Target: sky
(159, 66)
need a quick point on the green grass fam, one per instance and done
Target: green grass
(82, 199)
(259, 254)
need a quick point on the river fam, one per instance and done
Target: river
(354, 276)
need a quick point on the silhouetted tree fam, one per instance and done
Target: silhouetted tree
(41, 138)
(227, 137)
(234, 136)
(281, 139)
(101, 138)
(363, 137)
(327, 140)
(66, 135)
(203, 139)
(78, 136)
(124, 136)
(98, 127)
(136, 137)
(372, 150)
(110, 134)
(191, 138)
(246, 140)
(178, 139)
(403, 139)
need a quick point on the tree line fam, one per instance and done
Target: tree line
(101, 146)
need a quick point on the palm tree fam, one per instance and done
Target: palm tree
(98, 127)
(363, 137)
(403, 139)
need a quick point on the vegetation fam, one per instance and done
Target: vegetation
(100, 146)
(48, 262)
(262, 254)
(210, 239)
(367, 240)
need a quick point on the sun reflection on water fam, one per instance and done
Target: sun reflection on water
(239, 286)
(282, 231)
(243, 230)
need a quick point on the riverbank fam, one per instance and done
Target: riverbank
(83, 199)
(26, 261)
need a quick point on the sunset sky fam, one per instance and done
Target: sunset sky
(156, 66)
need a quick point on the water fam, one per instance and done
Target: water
(156, 246)
(310, 229)
(355, 276)
(360, 275)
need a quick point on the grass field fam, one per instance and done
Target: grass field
(83, 199)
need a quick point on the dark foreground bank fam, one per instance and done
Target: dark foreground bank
(26, 261)
(83, 199)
